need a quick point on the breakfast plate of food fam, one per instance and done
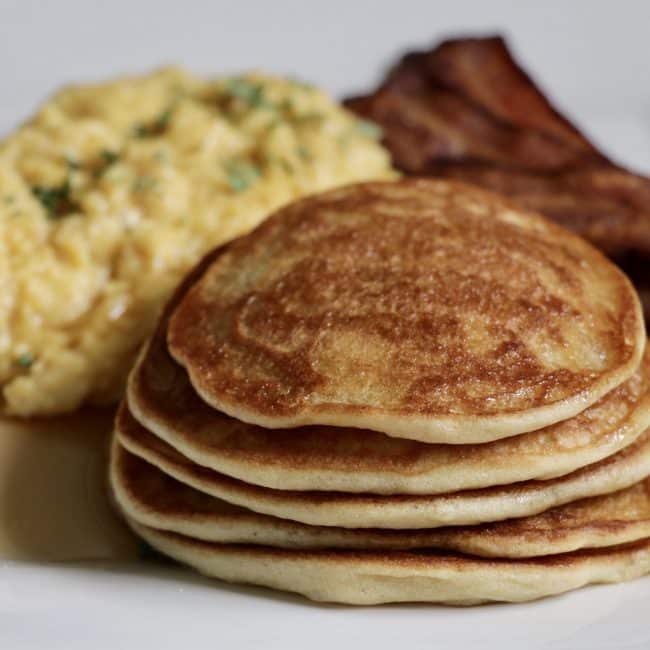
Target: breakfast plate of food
(269, 360)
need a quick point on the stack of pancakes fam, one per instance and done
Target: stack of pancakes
(408, 391)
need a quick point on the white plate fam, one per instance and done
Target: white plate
(90, 608)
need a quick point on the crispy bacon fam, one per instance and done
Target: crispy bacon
(466, 110)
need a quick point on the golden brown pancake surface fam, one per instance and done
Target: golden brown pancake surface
(373, 577)
(152, 498)
(161, 397)
(619, 471)
(425, 309)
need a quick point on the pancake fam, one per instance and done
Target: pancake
(162, 399)
(429, 310)
(627, 467)
(148, 496)
(374, 577)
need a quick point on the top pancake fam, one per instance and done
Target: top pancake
(162, 399)
(423, 309)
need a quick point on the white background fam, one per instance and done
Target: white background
(592, 55)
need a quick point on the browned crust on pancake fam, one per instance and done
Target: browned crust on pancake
(401, 269)
(365, 578)
(527, 498)
(163, 400)
(152, 498)
(421, 558)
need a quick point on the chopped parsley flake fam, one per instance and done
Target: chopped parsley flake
(286, 165)
(249, 92)
(273, 124)
(56, 200)
(25, 360)
(369, 129)
(157, 127)
(241, 175)
(304, 153)
(144, 184)
(301, 85)
(109, 157)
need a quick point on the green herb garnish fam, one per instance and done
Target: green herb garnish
(249, 92)
(304, 153)
(369, 129)
(8, 199)
(73, 165)
(56, 200)
(109, 157)
(241, 175)
(144, 184)
(273, 124)
(301, 85)
(25, 360)
(157, 127)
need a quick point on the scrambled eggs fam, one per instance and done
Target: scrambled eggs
(113, 191)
